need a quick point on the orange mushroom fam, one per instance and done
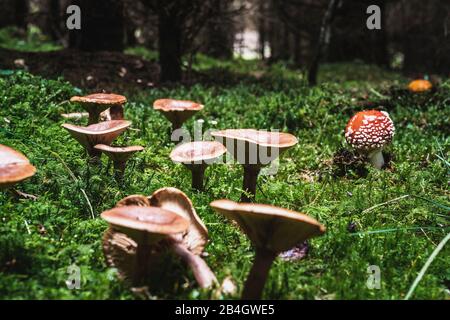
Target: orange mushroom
(420, 85)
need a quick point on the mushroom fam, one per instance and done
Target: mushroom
(14, 167)
(254, 149)
(420, 85)
(191, 243)
(368, 132)
(271, 230)
(100, 133)
(119, 156)
(196, 156)
(177, 111)
(96, 103)
(146, 226)
(121, 250)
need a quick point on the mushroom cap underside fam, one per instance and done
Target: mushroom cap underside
(197, 152)
(174, 200)
(14, 167)
(269, 227)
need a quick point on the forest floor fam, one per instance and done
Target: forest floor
(392, 218)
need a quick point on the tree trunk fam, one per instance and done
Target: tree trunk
(170, 31)
(102, 26)
(323, 42)
(21, 13)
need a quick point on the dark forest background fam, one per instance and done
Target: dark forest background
(414, 35)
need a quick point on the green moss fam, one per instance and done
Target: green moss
(40, 239)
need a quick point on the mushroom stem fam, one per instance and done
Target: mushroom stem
(257, 277)
(143, 252)
(249, 186)
(198, 172)
(119, 168)
(93, 118)
(202, 273)
(376, 158)
(116, 112)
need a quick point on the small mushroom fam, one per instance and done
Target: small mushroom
(14, 167)
(271, 230)
(196, 156)
(100, 133)
(146, 226)
(119, 156)
(96, 103)
(177, 111)
(254, 149)
(368, 132)
(419, 86)
(191, 243)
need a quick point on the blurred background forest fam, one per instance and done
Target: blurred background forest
(414, 37)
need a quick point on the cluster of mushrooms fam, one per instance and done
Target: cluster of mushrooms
(142, 228)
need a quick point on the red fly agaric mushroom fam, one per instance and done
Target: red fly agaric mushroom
(368, 132)
(196, 156)
(119, 156)
(96, 103)
(99, 133)
(177, 111)
(254, 149)
(420, 85)
(14, 167)
(271, 230)
(191, 243)
(146, 226)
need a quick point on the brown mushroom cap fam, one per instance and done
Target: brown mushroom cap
(149, 223)
(134, 200)
(174, 200)
(269, 227)
(274, 142)
(197, 152)
(108, 99)
(99, 133)
(14, 167)
(119, 154)
(177, 111)
(420, 85)
(369, 130)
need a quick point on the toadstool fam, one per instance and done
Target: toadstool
(100, 133)
(271, 230)
(254, 149)
(119, 156)
(177, 111)
(196, 156)
(146, 226)
(368, 132)
(120, 250)
(420, 85)
(96, 103)
(191, 243)
(14, 167)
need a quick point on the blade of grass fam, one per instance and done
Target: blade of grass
(395, 229)
(426, 265)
